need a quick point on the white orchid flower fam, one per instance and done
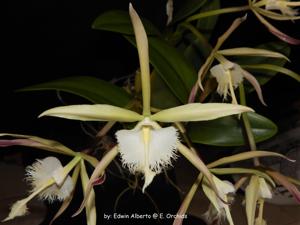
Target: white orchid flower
(257, 190)
(229, 75)
(49, 181)
(147, 148)
(40, 172)
(286, 13)
(219, 209)
(284, 6)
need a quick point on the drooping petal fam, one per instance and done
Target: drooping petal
(199, 112)
(252, 52)
(36, 142)
(255, 85)
(93, 113)
(244, 156)
(286, 38)
(99, 170)
(193, 93)
(91, 215)
(281, 179)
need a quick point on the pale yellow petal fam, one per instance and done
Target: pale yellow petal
(142, 46)
(93, 113)
(199, 112)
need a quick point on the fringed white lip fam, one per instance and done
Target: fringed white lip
(229, 75)
(147, 150)
(40, 172)
(226, 75)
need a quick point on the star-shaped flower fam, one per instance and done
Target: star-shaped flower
(148, 148)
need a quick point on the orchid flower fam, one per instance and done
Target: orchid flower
(288, 13)
(148, 148)
(284, 6)
(219, 209)
(229, 75)
(49, 180)
(256, 191)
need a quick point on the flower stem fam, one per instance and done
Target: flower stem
(217, 12)
(247, 125)
(200, 37)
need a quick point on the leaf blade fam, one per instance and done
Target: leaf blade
(88, 88)
(212, 132)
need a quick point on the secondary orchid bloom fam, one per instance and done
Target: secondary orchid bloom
(287, 13)
(284, 6)
(256, 191)
(49, 181)
(219, 209)
(49, 171)
(229, 75)
(148, 148)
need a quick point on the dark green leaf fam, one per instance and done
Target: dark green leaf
(195, 49)
(186, 8)
(91, 88)
(227, 131)
(161, 95)
(119, 21)
(176, 72)
(207, 25)
(173, 68)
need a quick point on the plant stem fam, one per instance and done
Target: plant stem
(217, 12)
(207, 47)
(247, 125)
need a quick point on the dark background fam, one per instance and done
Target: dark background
(46, 40)
(50, 39)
